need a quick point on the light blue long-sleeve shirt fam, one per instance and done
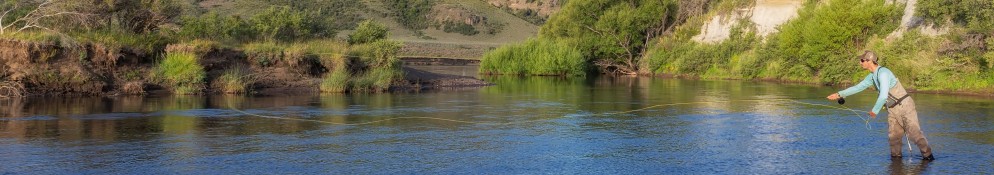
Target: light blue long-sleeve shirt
(882, 76)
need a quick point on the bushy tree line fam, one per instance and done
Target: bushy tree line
(278, 23)
(976, 15)
(617, 31)
(972, 37)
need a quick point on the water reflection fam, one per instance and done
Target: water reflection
(533, 125)
(901, 166)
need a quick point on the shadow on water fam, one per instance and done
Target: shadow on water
(593, 125)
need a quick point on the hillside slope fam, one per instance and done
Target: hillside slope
(454, 28)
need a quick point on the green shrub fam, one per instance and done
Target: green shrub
(917, 62)
(330, 53)
(282, 24)
(975, 15)
(379, 66)
(376, 79)
(181, 71)
(536, 57)
(336, 81)
(381, 53)
(727, 59)
(264, 54)
(610, 31)
(213, 26)
(461, 28)
(234, 80)
(367, 32)
(328, 15)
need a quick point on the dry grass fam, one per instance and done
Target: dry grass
(134, 88)
(10, 89)
(235, 80)
(198, 47)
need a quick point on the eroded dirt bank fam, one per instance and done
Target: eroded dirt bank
(48, 69)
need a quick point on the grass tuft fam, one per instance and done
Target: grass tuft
(181, 71)
(536, 57)
(235, 80)
(336, 81)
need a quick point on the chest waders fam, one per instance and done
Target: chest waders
(902, 119)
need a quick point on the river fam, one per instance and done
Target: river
(522, 125)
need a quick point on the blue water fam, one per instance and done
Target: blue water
(537, 125)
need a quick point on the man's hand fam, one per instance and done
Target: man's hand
(872, 115)
(834, 97)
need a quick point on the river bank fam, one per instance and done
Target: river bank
(90, 69)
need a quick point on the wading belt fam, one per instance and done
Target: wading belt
(893, 101)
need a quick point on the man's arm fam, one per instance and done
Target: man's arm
(867, 82)
(884, 90)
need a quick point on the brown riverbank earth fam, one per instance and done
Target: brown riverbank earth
(47, 69)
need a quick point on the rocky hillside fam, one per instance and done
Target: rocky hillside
(766, 15)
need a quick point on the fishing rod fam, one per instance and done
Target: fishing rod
(841, 102)
(793, 100)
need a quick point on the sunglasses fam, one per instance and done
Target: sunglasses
(863, 60)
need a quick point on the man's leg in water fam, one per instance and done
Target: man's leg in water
(914, 130)
(895, 130)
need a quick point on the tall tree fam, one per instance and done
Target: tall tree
(616, 33)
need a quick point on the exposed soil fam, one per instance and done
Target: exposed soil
(47, 69)
(420, 80)
(438, 61)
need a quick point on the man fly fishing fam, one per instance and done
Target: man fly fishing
(902, 117)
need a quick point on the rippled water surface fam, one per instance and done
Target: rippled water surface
(534, 125)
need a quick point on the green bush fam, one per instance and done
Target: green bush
(918, 63)
(376, 79)
(328, 16)
(378, 68)
(975, 15)
(336, 81)
(282, 24)
(536, 57)
(264, 54)
(367, 32)
(381, 53)
(726, 59)
(461, 28)
(213, 26)
(181, 71)
(609, 30)
(234, 80)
